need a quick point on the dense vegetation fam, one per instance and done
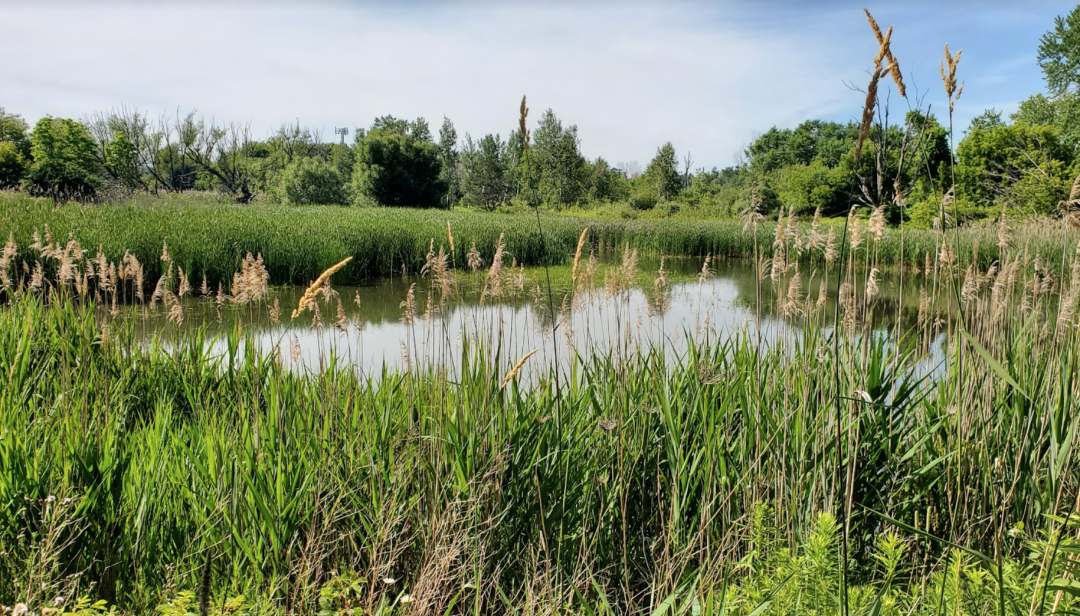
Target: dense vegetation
(839, 469)
(1022, 165)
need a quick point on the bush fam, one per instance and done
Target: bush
(313, 181)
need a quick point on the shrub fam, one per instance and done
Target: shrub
(313, 181)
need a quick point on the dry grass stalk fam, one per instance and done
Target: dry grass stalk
(409, 305)
(450, 236)
(894, 67)
(252, 282)
(706, 269)
(517, 368)
(577, 255)
(275, 312)
(493, 282)
(473, 259)
(311, 293)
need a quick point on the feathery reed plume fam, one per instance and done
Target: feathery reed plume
(311, 293)
(275, 312)
(165, 252)
(37, 279)
(220, 298)
(493, 282)
(356, 299)
(877, 224)
(409, 305)
(661, 289)
(855, 229)
(577, 255)
(473, 259)
(868, 111)
(894, 67)
(251, 283)
(872, 285)
(204, 288)
(341, 322)
(1005, 237)
(948, 77)
(449, 236)
(175, 312)
(294, 348)
(522, 117)
(831, 251)
(184, 287)
(706, 269)
(7, 257)
(517, 368)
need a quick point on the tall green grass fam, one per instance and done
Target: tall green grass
(142, 471)
(210, 237)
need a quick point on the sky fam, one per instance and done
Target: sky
(632, 75)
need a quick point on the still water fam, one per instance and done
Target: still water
(369, 328)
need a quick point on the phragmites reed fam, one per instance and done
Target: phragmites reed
(493, 282)
(312, 292)
(252, 282)
(7, 257)
(275, 312)
(522, 126)
(473, 259)
(872, 289)
(517, 368)
(184, 287)
(877, 224)
(450, 236)
(577, 254)
(408, 305)
(868, 110)
(894, 67)
(948, 77)
(706, 269)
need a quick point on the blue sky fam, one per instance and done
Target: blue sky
(707, 76)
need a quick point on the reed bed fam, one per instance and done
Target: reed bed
(209, 238)
(171, 477)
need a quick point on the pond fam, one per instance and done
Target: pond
(615, 307)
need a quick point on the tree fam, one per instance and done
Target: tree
(1022, 165)
(395, 168)
(1061, 112)
(662, 175)
(313, 181)
(558, 168)
(14, 149)
(1059, 54)
(605, 183)
(484, 181)
(64, 162)
(448, 156)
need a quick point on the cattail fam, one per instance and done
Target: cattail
(308, 298)
(517, 368)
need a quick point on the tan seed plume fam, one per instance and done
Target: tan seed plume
(308, 298)
(577, 254)
(517, 368)
(894, 67)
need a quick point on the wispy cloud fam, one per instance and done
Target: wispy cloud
(631, 76)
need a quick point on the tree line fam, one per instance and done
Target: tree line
(1025, 163)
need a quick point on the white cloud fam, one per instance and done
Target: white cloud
(631, 76)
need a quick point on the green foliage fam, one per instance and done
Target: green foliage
(557, 170)
(13, 165)
(313, 181)
(1020, 165)
(484, 178)
(395, 167)
(65, 165)
(661, 177)
(1059, 54)
(1061, 113)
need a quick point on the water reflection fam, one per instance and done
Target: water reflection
(365, 326)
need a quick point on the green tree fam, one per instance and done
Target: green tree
(395, 168)
(14, 149)
(448, 156)
(605, 183)
(662, 177)
(313, 181)
(1022, 165)
(64, 162)
(484, 181)
(1060, 112)
(1059, 54)
(557, 164)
